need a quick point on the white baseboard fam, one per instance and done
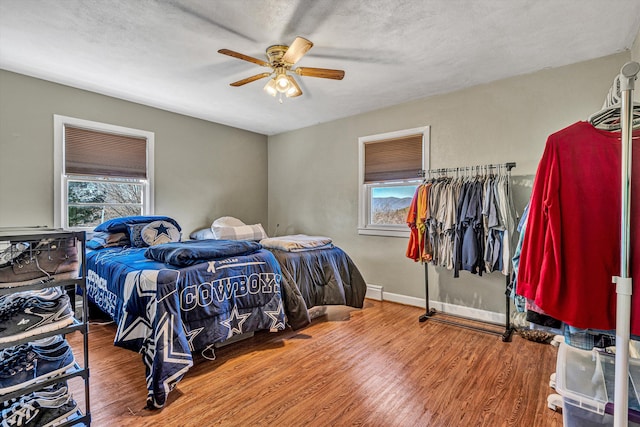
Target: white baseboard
(458, 310)
(403, 299)
(374, 292)
(469, 312)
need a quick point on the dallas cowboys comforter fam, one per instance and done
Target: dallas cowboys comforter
(167, 312)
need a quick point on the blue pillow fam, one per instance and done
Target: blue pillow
(135, 235)
(121, 225)
(202, 234)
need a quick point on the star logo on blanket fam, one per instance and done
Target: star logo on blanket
(160, 230)
(174, 362)
(192, 334)
(276, 317)
(137, 326)
(237, 319)
(164, 342)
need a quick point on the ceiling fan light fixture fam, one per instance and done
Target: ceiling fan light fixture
(282, 82)
(271, 88)
(294, 89)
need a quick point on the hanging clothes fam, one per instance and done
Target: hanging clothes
(518, 300)
(450, 191)
(571, 249)
(412, 217)
(419, 247)
(453, 220)
(425, 253)
(469, 238)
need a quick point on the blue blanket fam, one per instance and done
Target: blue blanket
(191, 252)
(167, 313)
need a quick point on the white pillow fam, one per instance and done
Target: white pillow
(243, 232)
(158, 232)
(227, 221)
(203, 234)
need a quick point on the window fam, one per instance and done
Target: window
(101, 172)
(390, 166)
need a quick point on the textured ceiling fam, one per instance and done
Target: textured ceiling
(163, 53)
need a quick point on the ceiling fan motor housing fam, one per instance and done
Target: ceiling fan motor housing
(275, 54)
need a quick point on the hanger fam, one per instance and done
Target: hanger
(608, 118)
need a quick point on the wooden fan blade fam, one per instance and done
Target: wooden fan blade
(250, 79)
(324, 73)
(298, 48)
(244, 57)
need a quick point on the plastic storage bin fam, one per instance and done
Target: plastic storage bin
(585, 379)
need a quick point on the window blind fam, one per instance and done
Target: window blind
(89, 152)
(393, 159)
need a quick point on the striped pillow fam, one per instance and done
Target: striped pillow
(242, 232)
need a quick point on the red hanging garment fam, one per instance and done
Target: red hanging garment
(571, 248)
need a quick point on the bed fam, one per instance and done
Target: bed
(315, 273)
(167, 313)
(174, 299)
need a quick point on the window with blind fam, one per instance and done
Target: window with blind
(390, 166)
(101, 172)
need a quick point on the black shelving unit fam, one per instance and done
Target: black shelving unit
(35, 235)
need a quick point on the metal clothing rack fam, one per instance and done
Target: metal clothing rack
(431, 312)
(624, 287)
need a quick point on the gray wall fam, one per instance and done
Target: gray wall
(313, 172)
(203, 170)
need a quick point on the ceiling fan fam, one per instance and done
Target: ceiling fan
(281, 59)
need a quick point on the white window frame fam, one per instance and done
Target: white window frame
(364, 190)
(60, 219)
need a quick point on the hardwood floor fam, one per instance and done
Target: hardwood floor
(372, 367)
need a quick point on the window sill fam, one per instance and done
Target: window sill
(384, 232)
